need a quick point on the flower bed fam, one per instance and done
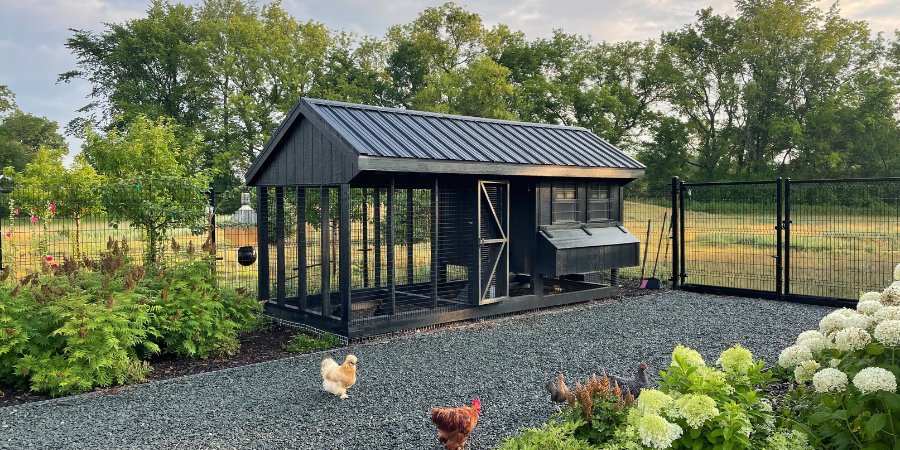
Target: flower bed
(844, 379)
(78, 325)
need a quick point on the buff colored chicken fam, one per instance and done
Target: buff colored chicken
(337, 379)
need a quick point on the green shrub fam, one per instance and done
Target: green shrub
(191, 316)
(305, 343)
(551, 436)
(80, 325)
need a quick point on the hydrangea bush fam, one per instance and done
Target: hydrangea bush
(852, 401)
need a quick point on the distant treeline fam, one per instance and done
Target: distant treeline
(781, 89)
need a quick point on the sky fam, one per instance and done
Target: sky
(33, 32)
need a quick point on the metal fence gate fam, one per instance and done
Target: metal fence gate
(810, 241)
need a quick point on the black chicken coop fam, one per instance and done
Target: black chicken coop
(386, 219)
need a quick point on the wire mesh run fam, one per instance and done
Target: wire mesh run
(730, 236)
(844, 237)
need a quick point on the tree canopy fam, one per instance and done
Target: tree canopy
(782, 87)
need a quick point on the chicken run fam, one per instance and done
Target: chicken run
(376, 220)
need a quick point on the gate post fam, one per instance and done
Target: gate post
(779, 273)
(787, 236)
(681, 251)
(675, 241)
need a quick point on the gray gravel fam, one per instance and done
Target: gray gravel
(505, 363)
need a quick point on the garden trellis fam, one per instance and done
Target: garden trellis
(385, 219)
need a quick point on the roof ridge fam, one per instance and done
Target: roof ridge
(413, 112)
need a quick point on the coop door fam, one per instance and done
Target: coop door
(493, 241)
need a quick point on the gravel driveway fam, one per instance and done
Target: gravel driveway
(505, 363)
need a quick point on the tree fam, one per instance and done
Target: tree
(151, 66)
(7, 99)
(22, 134)
(151, 180)
(72, 192)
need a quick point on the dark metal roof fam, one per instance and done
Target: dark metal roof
(357, 138)
(401, 133)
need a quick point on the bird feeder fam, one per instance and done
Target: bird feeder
(240, 229)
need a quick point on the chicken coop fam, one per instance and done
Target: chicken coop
(373, 220)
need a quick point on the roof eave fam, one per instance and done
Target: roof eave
(417, 165)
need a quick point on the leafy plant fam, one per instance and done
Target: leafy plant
(305, 342)
(550, 436)
(79, 325)
(600, 407)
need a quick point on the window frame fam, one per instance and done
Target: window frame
(576, 203)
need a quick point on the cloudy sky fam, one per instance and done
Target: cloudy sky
(33, 32)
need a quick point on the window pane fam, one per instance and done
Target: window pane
(599, 202)
(565, 203)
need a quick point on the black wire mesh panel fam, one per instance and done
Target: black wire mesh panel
(730, 238)
(405, 241)
(844, 237)
(655, 206)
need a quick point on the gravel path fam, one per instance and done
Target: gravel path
(505, 363)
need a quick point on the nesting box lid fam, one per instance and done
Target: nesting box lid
(245, 216)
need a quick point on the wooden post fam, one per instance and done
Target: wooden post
(301, 247)
(434, 245)
(262, 236)
(377, 219)
(365, 238)
(325, 259)
(389, 235)
(344, 257)
(279, 244)
(409, 236)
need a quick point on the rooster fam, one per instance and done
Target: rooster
(337, 379)
(455, 424)
(635, 384)
(557, 393)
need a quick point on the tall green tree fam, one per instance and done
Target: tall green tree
(151, 66)
(152, 181)
(23, 134)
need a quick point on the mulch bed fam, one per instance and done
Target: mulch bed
(256, 347)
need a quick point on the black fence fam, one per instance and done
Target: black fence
(810, 241)
(43, 226)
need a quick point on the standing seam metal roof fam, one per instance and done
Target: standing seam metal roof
(401, 133)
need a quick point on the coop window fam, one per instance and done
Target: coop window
(599, 205)
(565, 203)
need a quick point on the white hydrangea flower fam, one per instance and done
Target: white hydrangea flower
(888, 333)
(794, 355)
(891, 296)
(895, 284)
(809, 334)
(695, 409)
(805, 371)
(652, 401)
(814, 344)
(657, 432)
(869, 306)
(869, 296)
(887, 313)
(852, 339)
(846, 312)
(834, 362)
(832, 322)
(897, 272)
(872, 379)
(830, 380)
(858, 321)
(765, 405)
